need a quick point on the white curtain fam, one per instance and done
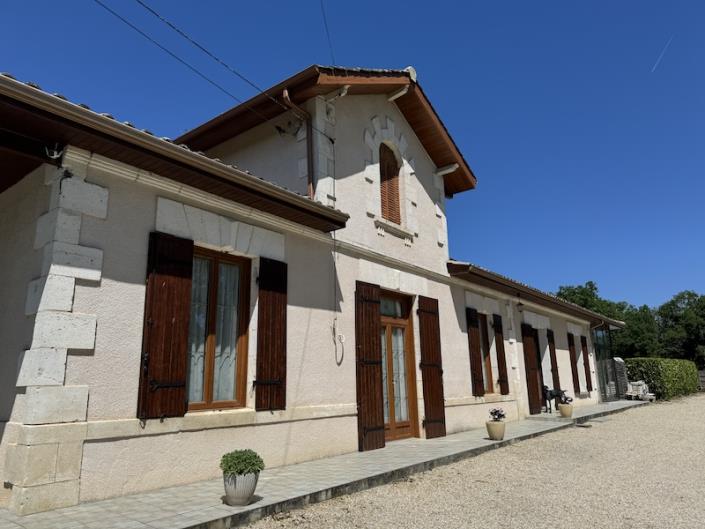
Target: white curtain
(197, 328)
(401, 407)
(226, 332)
(385, 396)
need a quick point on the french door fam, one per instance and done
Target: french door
(398, 369)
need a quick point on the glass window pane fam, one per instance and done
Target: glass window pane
(390, 307)
(226, 332)
(485, 353)
(385, 397)
(401, 407)
(197, 328)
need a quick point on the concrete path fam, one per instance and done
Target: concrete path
(199, 505)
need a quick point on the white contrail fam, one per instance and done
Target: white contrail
(663, 52)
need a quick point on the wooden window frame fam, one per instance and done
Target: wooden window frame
(486, 353)
(245, 266)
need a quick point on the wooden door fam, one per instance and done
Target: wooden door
(368, 353)
(532, 367)
(431, 368)
(398, 369)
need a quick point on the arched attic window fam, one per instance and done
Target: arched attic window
(389, 184)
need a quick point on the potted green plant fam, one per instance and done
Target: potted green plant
(495, 426)
(241, 470)
(565, 406)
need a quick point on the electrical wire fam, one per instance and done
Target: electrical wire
(325, 25)
(217, 59)
(207, 52)
(182, 61)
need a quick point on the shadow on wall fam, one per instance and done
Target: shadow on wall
(458, 296)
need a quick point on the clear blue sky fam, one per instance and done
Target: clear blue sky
(590, 152)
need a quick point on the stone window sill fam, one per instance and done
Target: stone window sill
(393, 229)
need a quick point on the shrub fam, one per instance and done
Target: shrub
(666, 377)
(241, 462)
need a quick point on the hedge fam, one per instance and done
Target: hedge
(666, 377)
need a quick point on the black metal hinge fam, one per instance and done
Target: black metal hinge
(266, 382)
(366, 362)
(432, 421)
(154, 385)
(431, 364)
(366, 430)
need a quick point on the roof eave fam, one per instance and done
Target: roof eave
(468, 272)
(300, 85)
(57, 106)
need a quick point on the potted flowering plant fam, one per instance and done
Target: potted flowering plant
(241, 470)
(495, 426)
(565, 406)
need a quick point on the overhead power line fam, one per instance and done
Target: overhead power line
(196, 70)
(325, 25)
(171, 53)
(208, 52)
(217, 59)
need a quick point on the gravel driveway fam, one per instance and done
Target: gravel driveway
(643, 468)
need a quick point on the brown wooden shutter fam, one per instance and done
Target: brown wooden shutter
(532, 368)
(473, 323)
(270, 383)
(586, 362)
(501, 357)
(554, 359)
(574, 364)
(431, 368)
(389, 184)
(368, 355)
(162, 390)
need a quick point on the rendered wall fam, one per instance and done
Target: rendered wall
(275, 150)
(319, 420)
(361, 124)
(20, 206)
(117, 454)
(347, 173)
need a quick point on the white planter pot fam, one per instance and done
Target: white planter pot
(495, 430)
(566, 410)
(239, 488)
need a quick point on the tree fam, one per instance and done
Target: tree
(587, 296)
(675, 329)
(682, 327)
(640, 335)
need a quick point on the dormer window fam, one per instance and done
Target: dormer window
(389, 184)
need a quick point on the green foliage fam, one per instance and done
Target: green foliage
(587, 296)
(676, 329)
(682, 324)
(666, 377)
(241, 462)
(640, 336)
